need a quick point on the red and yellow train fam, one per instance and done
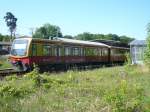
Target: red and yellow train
(26, 52)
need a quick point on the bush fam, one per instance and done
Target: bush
(11, 78)
(120, 100)
(97, 90)
(9, 91)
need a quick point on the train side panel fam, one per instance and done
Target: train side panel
(55, 53)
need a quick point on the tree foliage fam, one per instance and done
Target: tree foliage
(4, 37)
(147, 51)
(47, 31)
(85, 36)
(68, 36)
(11, 20)
(89, 36)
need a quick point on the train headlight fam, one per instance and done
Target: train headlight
(18, 59)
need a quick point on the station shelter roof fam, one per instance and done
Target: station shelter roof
(138, 43)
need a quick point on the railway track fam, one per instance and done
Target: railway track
(9, 71)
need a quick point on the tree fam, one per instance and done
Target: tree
(11, 20)
(4, 38)
(125, 39)
(98, 36)
(89, 36)
(1, 37)
(47, 31)
(84, 36)
(147, 51)
(68, 37)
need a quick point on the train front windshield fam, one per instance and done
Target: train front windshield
(19, 47)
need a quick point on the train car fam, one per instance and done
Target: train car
(26, 52)
(118, 54)
(117, 50)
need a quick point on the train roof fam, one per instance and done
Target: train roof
(90, 43)
(70, 41)
(113, 43)
(73, 41)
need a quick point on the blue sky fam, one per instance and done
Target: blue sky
(122, 17)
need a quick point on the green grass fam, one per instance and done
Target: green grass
(117, 89)
(4, 63)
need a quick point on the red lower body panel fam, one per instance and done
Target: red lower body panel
(118, 58)
(66, 59)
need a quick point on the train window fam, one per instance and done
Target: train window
(99, 52)
(104, 52)
(76, 51)
(54, 51)
(57, 51)
(19, 47)
(123, 52)
(82, 53)
(86, 51)
(34, 49)
(68, 51)
(46, 50)
(89, 51)
(116, 52)
(112, 52)
(95, 50)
